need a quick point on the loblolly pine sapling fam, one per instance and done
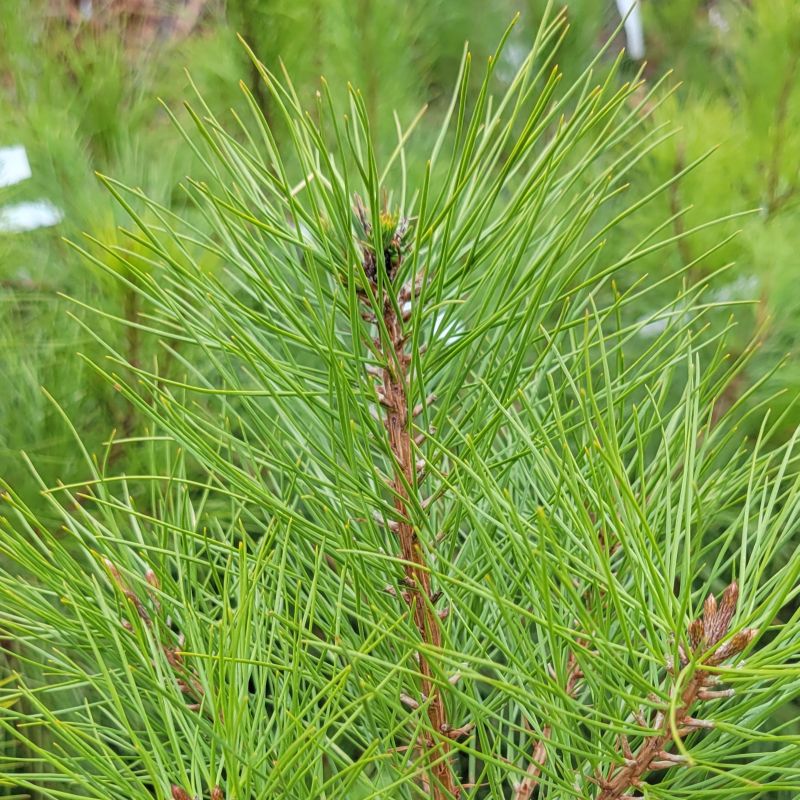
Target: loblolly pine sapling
(427, 514)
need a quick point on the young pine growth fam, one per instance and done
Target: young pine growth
(432, 512)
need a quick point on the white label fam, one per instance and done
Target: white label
(14, 166)
(20, 217)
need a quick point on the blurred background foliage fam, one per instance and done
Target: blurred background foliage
(79, 89)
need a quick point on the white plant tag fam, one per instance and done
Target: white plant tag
(14, 166)
(20, 217)
(631, 12)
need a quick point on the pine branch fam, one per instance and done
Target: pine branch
(705, 635)
(393, 396)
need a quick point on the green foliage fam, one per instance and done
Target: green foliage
(742, 97)
(78, 102)
(428, 509)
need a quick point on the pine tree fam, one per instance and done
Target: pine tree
(423, 517)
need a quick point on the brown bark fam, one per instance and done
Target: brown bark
(419, 593)
(706, 637)
(653, 753)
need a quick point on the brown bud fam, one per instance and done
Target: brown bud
(727, 608)
(180, 794)
(709, 610)
(696, 633)
(152, 579)
(716, 620)
(216, 794)
(733, 646)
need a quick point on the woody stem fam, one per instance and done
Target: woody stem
(417, 575)
(620, 781)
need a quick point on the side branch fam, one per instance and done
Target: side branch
(705, 636)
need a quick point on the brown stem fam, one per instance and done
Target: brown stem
(250, 25)
(417, 575)
(650, 755)
(185, 679)
(707, 638)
